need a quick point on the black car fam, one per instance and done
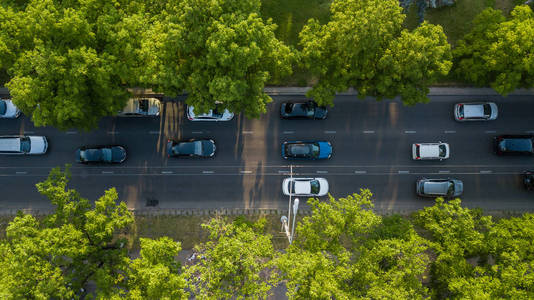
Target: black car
(528, 180)
(303, 110)
(101, 154)
(191, 148)
(514, 145)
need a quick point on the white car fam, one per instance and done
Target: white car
(212, 115)
(475, 111)
(20, 144)
(141, 107)
(8, 110)
(305, 186)
(432, 151)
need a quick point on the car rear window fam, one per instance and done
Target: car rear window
(3, 107)
(487, 110)
(442, 151)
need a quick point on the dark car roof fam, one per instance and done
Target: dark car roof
(193, 147)
(103, 154)
(516, 143)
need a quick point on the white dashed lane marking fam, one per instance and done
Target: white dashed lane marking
(208, 172)
(404, 172)
(410, 131)
(330, 131)
(368, 131)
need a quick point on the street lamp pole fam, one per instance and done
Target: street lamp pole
(286, 221)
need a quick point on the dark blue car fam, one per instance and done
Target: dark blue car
(191, 148)
(101, 154)
(307, 150)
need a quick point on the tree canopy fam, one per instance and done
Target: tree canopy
(69, 62)
(364, 46)
(497, 51)
(345, 251)
(216, 51)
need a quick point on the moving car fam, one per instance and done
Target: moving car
(192, 148)
(305, 187)
(141, 107)
(217, 114)
(20, 144)
(446, 188)
(528, 180)
(513, 144)
(8, 110)
(475, 111)
(307, 150)
(430, 151)
(101, 154)
(307, 109)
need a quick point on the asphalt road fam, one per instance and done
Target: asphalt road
(372, 149)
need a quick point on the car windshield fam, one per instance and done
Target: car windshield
(461, 111)
(315, 186)
(143, 105)
(450, 191)
(106, 155)
(442, 151)
(3, 107)
(308, 108)
(417, 151)
(289, 108)
(25, 144)
(487, 110)
(291, 187)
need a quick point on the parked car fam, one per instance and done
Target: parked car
(528, 180)
(513, 145)
(8, 110)
(217, 114)
(141, 107)
(446, 188)
(305, 186)
(21, 144)
(101, 154)
(191, 148)
(430, 151)
(475, 111)
(306, 109)
(307, 150)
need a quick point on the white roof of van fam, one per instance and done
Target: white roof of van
(11, 144)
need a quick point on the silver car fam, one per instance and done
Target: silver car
(8, 110)
(20, 144)
(446, 188)
(475, 111)
(305, 187)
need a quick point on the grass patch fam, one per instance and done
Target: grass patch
(291, 15)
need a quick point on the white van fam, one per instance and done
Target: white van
(20, 144)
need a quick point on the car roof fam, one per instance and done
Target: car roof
(429, 150)
(11, 144)
(436, 188)
(518, 144)
(302, 187)
(474, 110)
(133, 106)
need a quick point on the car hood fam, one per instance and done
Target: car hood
(11, 110)
(458, 188)
(118, 154)
(323, 187)
(39, 144)
(321, 112)
(325, 149)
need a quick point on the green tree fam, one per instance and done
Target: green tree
(237, 261)
(458, 237)
(60, 255)
(216, 51)
(69, 62)
(364, 46)
(345, 251)
(156, 274)
(498, 52)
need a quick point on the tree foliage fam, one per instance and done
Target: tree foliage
(69, 62)
(345, 251)
(497, 51)
(216, 51)
(364, 46)
(237, 261)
